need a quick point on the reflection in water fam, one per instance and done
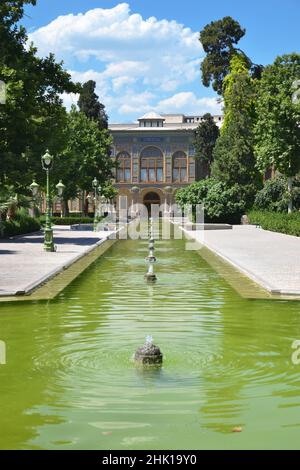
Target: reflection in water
(70, 381)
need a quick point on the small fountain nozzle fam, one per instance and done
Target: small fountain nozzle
(148, 354)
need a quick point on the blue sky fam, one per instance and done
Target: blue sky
(145, 54)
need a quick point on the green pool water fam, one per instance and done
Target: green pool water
(70, 383)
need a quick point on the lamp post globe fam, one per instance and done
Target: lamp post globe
(60, 190)
(34, 188)
(47, 161)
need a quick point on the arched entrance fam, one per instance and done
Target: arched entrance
(149, 199)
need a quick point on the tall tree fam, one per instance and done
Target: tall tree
(33, 117)
(86, 155)
(90, 105)
(277, 129)
(206, 136)
(234, 160)
(219, 39)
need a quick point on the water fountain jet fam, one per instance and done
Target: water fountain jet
(150, 275)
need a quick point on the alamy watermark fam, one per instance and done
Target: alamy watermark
(180, 223)
(2, 353)
(296, 354)
(2, 92)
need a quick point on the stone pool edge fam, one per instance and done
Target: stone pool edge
(259, 290)
(42, 289)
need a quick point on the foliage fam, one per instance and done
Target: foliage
(222, 203)
(234, 160)
(274, 196)
(218, 40)
(276, 221)
(205, 139)
(109, 191)
(277, 129)
(90, 105)
(68, 220)
(239, 91)
(85, 156)
(33, 117)
(10, 202)
(20, 225)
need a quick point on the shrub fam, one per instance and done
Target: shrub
(22, 224)
(276, 221)
(68, 220)
(222, 203)
(274, 196)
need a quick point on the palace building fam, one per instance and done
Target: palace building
(155, 156)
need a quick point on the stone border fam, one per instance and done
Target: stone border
(50, 285)
(246, 283)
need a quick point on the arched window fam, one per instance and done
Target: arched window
(123, 167)
(179, 167)
(152, 165)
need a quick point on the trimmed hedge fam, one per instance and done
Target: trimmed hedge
(277, 221)
(19, 226)
(71, 220)
(67, 220)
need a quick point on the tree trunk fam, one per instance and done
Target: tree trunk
(86, 204)
(290, 187)
(66, 208)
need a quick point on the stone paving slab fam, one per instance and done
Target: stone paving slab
(24, 265)
(268, 258)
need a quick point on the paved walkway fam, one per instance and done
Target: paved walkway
(24, 265)
(270, 259)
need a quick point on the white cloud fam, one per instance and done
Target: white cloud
(188, 102)
(135, 62)
(108, 34)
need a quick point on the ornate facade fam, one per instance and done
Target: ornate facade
(155, 156)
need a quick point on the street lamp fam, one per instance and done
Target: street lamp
(168, 190)
(47, 163)
(135, 191)
(34, 188)
(95, 186)
(60, 190)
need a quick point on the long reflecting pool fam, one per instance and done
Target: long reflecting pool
(70, 383)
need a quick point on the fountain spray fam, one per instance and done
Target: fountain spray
(151, 259)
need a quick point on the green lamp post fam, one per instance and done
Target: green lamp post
(60, 190)
(47, 163)
(95, 186)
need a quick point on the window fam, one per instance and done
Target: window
(151, 165)
(123, 168)
(179, 167)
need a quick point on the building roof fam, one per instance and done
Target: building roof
(171, 122)
(165, 128)
(152, 115)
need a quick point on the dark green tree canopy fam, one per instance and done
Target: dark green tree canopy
(33, 117)
(12, 11)
(218, 40)
(206, 136)
(86, 154)
(90, 105)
